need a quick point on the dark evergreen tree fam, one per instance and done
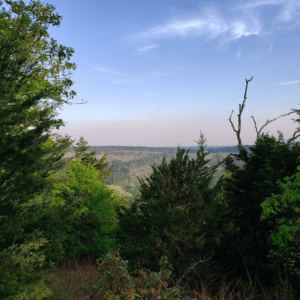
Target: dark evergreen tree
(246, 189)
(245, 250)
(177, 215)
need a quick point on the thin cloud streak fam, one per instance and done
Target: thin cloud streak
(260, 3)
(144, 49)
(290, 82)
(216, 26)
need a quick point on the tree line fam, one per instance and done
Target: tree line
(120, 171)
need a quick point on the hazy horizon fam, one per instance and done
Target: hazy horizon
(156, 73)
(191, 147)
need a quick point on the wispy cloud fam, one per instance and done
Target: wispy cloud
(259, 3)
(229, 26)
(211, 24)
(289, 82)
(208, 23)
(154, 75)
(142, 50)
(286, 14)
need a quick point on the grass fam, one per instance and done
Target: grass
(72, 276)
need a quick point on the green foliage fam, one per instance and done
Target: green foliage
(24, 282)
(27, 157)
(246, 189)
(82, 211)
(119, 174)
(89, 158)
(289, 202)
(116, 283)
(225, 174)
(118, 190)
(177, 215)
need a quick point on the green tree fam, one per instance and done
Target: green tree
(81, 213)
(225, 174)
(289, 202)
(246, 248)
(145, 231)
(288, 232)
(176, 215)
(27, 157)
(246, 189)
(90, 158)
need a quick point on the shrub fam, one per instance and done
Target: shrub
(120, 285)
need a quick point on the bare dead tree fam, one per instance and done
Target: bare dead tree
(238, 132)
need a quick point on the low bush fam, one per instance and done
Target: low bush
(116, 283)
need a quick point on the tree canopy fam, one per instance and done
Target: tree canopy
(90, 158)
(28, 157)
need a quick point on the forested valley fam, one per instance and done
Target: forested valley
(128, 166)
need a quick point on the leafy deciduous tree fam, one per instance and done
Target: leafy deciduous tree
(27, 157)
(81, 212)
(288, 232)
(290, 223)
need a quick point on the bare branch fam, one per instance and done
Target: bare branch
(239, 115)
(291, 139)
(238, 132)
(258, 133)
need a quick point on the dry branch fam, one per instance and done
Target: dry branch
(238, 132)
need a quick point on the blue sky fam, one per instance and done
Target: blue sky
(156, 73)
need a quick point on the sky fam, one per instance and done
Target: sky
(156, 73)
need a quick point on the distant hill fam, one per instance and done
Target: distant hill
(132, 162)
(167, 150)
(170, 150)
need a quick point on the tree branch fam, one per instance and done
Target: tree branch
(239, 116)
(238, 132)
(258, 133)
